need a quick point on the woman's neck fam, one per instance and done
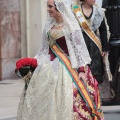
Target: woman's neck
(87, 9)
(59, 23)
(59, 20)
(87, 6)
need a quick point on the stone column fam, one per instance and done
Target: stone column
(21, 25)
(35, 20)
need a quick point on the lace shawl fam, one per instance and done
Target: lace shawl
(78, 52)
(97, 17)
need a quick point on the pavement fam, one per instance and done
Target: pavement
(10, 92)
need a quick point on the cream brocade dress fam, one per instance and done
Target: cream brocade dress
(49, 95)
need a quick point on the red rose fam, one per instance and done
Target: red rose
(26, 62)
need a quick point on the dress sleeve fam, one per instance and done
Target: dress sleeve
(103, 36)
(43, 53)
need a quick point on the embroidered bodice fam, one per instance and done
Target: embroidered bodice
(54, 35)
(58, 37)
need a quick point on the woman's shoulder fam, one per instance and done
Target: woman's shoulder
(97, 17)
(99, 9)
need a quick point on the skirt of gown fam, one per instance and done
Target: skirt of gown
(51, 95)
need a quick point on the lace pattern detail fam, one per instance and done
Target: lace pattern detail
(73, 36)
(42, 56)
(60, 5)
(97, 18)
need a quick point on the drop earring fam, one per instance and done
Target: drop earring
(59, 14)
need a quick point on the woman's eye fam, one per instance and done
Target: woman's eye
(50, 6)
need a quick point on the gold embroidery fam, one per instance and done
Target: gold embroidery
(54, 35)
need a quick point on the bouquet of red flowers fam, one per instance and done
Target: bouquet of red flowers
(25, 68)
(24, 65)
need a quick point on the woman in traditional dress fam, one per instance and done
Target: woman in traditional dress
(62, 86)
(94, 16)
(95, 31)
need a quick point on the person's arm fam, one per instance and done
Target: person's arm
(103, 36)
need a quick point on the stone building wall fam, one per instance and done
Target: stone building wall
(10, 36)
(21, 24)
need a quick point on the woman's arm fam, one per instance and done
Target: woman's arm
(103, 36)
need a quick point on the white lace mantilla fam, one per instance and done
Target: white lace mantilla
(79, 55)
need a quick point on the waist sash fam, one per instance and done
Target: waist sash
(79, 83)
(83, 23)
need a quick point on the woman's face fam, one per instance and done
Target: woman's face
(90, 2)
(52, 9)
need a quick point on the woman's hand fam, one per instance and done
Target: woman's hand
(104, 54)
(83, 76)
